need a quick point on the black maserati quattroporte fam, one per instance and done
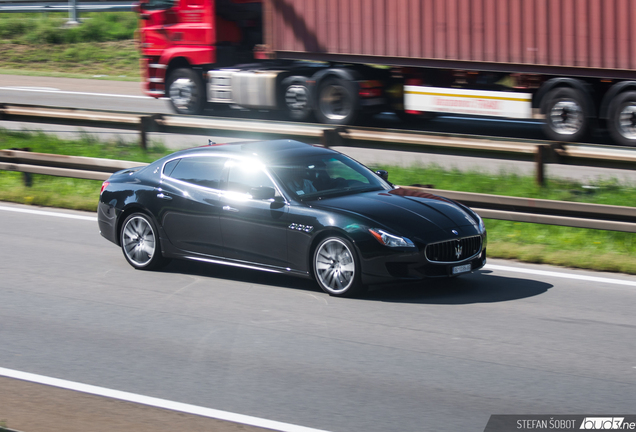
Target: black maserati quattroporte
(287, 207)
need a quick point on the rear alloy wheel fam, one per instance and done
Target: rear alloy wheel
(336, 268)
(186, 91)
(337, 102)
(140, 243)
(566, 116)
(622, 119)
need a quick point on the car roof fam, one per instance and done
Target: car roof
(265, 151)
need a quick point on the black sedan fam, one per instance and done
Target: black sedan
(287, 207)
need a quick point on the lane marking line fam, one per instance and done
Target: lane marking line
(156, 402)
(560, 275)
(487, 267)
(49, 213)
(74, 93)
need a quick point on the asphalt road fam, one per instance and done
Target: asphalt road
(127, 96)
(441, 356)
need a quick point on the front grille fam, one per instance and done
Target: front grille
(454, 250)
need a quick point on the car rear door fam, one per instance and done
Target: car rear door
(190, 192)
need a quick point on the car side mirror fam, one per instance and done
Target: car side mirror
(383, 174)
(263, 193)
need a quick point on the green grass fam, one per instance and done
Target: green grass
(36, 29)
(40, 44)
(599, 191)
(535, 243)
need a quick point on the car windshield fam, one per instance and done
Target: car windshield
(317, 176)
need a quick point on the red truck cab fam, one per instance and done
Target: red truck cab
(180, 39)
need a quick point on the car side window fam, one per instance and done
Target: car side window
(243, 177)
(201, 171)
(169, 166)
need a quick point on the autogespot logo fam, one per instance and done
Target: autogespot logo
(606, 423)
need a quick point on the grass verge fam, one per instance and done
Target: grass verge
(535, 243)
(40, 44)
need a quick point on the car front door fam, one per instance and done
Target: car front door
(253, 216)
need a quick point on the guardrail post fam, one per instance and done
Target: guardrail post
(540, 155)
(147, 124)
(27, 177)
(72, 14)
(332, 137)
(144, 125)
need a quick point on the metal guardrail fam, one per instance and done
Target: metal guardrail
(564, 213)
(29, 6)
(541, 152)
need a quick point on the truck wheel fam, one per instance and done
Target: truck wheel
(337, 102)
(186, 91)
(297, 98)
(622, 118)
(566, 116)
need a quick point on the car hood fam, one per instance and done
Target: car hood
(406, 211)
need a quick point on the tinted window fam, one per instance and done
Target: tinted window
(167, 169)
(322, 175)
(202, 171)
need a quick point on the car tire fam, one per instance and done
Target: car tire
(140, 242)
(296, 98)
(622, 119)
(567, 116)
(336, 267)
(337, 102)
(186, 91)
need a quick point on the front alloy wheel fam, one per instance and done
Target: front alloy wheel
(140, 243)
(336, 269)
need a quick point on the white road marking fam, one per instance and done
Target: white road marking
(156, 402)
(560, 275)
(44, 90)
(49, 213)
(487, 267)
(31, 88)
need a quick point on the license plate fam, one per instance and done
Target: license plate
(461, 269)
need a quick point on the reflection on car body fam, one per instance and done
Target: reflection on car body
(287, 207)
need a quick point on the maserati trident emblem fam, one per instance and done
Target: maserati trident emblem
(458, 250)
(455, 232)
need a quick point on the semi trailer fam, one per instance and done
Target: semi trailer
(569, 63)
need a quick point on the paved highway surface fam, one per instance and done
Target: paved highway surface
(442, 356)
(127, 96)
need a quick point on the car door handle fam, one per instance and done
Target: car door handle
(228, 208)
(164, 196)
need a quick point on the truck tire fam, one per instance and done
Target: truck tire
(566, 115)
(622, 118)
(186, 91)
(296, 99)
(337, 101)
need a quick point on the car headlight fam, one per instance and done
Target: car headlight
(390, 240)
